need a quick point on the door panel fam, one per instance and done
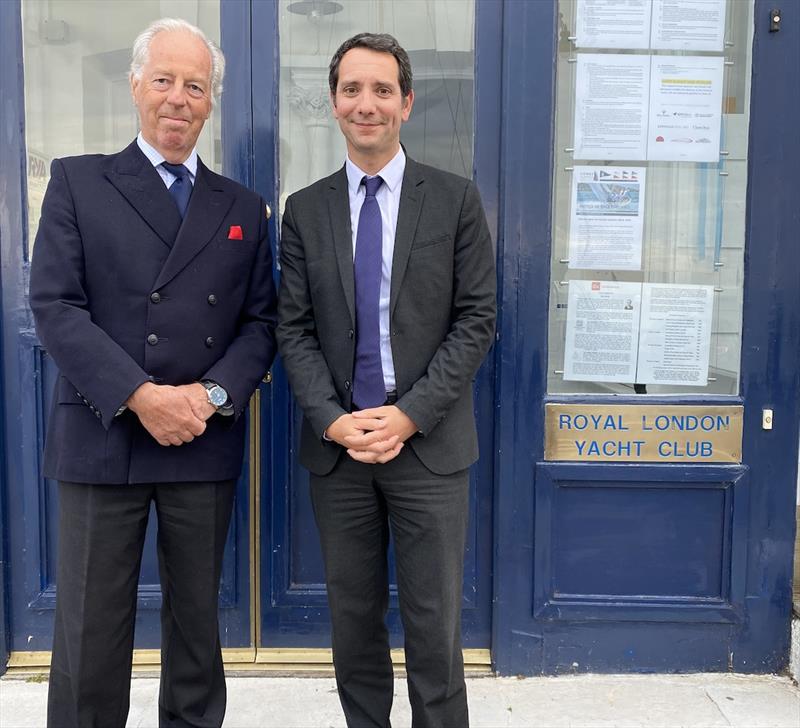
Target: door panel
(689, 561)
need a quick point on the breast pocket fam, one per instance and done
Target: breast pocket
(430, 244)
(240, 247)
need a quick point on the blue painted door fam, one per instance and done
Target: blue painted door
(293, 602)
(31, 501)
(646, 567)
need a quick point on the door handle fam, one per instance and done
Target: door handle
(268, 211)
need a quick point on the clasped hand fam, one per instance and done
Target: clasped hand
(373, 435)
(172, 415)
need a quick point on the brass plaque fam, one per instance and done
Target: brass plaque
(643, 433)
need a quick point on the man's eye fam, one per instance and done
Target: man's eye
(160, 82)
(384, 91)
(350, 90)
(195, 90)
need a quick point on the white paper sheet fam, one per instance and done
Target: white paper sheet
(675, 336)
(606, 223)
(685, 108)
(602, 331)
(612, 23)
(611, 97)
(689, 25)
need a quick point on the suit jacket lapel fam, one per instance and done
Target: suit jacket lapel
(208, 206)
(137, 180)
(411, 197)
(339, 210)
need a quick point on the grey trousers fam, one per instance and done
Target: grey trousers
(101, 536)
(356, 507)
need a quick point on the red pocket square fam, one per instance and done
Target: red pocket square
(235, 233)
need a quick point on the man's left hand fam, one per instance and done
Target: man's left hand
(396, 423)
(197, 396)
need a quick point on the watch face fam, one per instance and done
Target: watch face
(217, 396)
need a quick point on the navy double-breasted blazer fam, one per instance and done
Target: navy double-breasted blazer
(124, 292)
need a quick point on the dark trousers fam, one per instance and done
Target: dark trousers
(355, 506)
(101, 536)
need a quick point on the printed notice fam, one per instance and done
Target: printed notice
(602, 331)
(612, 23)
(605, 231)
(688, 25)
(685, 108)
(675, 336)
(611, 97)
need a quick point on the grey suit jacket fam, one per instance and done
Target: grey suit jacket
(442, 308)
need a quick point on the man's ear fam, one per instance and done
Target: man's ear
(408, 102)
(333, 105)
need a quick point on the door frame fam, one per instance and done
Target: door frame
(770, 362)
(276, 402)
(24, 515)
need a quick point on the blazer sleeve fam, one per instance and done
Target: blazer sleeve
(298, 342)
(474, 308)
(251, 352)
(102, 371)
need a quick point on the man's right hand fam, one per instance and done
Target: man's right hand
(166, 413)
(364, 439)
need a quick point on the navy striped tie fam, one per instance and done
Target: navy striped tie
(181, 188)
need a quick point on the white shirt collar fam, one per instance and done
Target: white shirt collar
(157, 158)
(392, 173)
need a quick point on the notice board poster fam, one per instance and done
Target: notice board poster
(611, 98)
(657, 108)
(602, 331)
(607, 220)
(645, 333)
(685, 108)
(675, 334)
(613, 23)
(687, 25)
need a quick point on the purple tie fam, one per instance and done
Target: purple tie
(368, 387)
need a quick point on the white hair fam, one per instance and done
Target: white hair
(141, 50)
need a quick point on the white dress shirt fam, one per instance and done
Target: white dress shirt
(388, 197)
(156, 158)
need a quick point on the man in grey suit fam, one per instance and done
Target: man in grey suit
(386, 310)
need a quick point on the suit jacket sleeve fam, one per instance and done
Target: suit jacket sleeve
(456, 361)
(298, 342)
(249, 355)
(102, 371)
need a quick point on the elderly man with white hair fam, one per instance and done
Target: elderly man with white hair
(151, 286)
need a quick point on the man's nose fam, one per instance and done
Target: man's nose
(366, 103)
(177, 94)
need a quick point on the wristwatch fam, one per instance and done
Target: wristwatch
(217, 396)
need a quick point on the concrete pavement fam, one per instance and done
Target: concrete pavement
(581, 701)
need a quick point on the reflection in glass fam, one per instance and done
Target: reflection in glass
(77, 95)
(439, 38)
(694, 213)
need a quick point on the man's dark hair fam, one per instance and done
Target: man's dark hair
(380, 42)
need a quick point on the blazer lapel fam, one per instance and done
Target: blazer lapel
(137, 180)
(411, 197)
(208, 206)
(339, 210)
